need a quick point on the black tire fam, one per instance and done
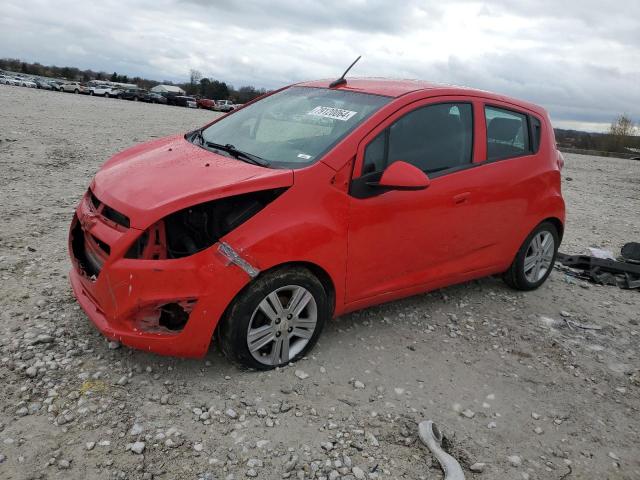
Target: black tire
(76, 91)
(517, 277)
(91, 93)
(135, 99)
(234, 328)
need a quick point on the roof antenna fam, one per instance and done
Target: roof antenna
(342, 80)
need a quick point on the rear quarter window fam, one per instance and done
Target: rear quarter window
(536, 133)
(507, 133)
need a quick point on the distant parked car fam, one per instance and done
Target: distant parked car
(134, 94)
(223, 105)
(43, 84)
(102, 90)
(25, 82)
(56, 85)
(184, 101)
(75, 87)
(153, 97)
(5, 80)
(116, 92)
(205, 103)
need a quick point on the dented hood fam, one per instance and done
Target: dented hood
(151, 180)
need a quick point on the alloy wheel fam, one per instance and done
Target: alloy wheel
(282, 325)
(539, 256)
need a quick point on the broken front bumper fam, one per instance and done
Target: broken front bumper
(170, 307)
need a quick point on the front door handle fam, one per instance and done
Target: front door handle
(461, 198)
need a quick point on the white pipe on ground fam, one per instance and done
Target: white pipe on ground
(431, 436)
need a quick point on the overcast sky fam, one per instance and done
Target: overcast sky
(578, 58)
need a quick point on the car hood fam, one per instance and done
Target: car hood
(151, 180)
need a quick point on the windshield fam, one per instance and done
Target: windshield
(295, 127)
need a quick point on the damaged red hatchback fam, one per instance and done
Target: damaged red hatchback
(311, 202)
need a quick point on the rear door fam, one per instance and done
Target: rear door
(512, 175)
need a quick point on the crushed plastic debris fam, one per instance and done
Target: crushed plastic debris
(602, 268)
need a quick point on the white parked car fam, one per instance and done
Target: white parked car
(9, 80)
(104, 90)
(74, 87)
(25, 82)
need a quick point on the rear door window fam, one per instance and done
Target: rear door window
(507, 134)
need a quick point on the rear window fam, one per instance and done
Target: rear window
(507, 134)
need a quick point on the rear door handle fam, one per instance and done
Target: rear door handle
(461, 198)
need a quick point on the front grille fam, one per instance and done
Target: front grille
(107, 212)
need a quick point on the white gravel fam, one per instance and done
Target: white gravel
(70, 404)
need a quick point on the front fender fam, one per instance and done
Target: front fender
(290, 229)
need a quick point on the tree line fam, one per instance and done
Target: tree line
(620, 138)
(622, 134)
(197, 84)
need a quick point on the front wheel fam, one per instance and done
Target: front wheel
(276, 320)
(535, 259)
(76, 91)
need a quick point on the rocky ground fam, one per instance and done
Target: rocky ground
(520, 390)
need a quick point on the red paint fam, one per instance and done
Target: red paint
(448, 229)
(404, 176)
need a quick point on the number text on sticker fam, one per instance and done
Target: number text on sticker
(330, 112)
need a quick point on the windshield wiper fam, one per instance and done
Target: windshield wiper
(197, 136)
(239, 154)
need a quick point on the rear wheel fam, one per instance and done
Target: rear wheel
(276, 320)
(535, 259)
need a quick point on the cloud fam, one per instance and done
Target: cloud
(578, 59)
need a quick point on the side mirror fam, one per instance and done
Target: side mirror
(402, 176)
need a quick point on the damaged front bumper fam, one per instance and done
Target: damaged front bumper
(166, 306)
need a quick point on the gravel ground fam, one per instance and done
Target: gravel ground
(514, 387)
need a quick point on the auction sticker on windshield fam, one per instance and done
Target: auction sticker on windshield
(331, 112)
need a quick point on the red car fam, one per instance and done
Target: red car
(310, 202)
(206, 103)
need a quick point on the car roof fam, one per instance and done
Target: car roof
(398, 87)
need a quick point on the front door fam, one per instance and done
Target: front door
(401, 239)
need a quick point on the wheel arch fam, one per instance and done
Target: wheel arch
(556, 222)
(320, 273)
